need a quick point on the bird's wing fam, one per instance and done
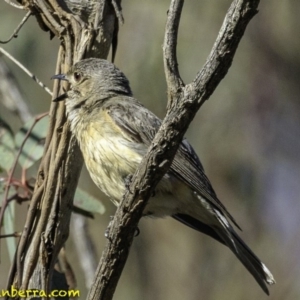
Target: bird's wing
(141, 125)
(187, 167)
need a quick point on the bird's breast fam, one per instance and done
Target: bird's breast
(109, 157)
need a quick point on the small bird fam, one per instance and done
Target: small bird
(114, 131)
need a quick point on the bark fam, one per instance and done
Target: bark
(85, 30)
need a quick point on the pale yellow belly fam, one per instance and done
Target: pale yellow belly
(110, 158)
(109, 163)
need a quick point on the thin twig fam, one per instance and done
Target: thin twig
(11, 172)
(51, 21)
(18, 264)
(15, 4)
(16, 31)
(26, 71)
(118, 11)
(15, 234)
(173, 78)
(62, 13)
(224, 48)
(12, 197)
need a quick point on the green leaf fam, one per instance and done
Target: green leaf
(87, 202)
(9, 228)
(33, 148)
(7, 147)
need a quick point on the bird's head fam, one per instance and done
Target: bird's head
(92, 80)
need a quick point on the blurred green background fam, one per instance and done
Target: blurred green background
(247, 136)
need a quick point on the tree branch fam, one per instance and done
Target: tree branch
(14, 4)
(16, 31)
(32, 76)
(182, 109)
(174, 81)
(223, 51)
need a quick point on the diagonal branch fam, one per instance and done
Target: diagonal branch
(221, 56)
(182, 109)
(10, 2)
(32, 76)
(16, 31)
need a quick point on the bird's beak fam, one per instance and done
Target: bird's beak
(60, 77)
(63, 96)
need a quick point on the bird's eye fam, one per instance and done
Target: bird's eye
(77, 76)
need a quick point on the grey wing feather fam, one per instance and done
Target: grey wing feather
(133, 118)
(186, 166)
(142, 125)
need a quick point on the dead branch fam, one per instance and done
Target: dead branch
(14, 4)
(47, 223)
(16, 31)
(182, 108)
(22, 67)
(15, 235)
(174, 81)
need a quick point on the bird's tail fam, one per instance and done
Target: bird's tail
(252, 263)
(224, 233)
